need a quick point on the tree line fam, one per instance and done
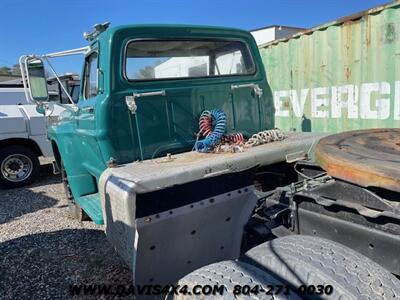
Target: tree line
(14, 70)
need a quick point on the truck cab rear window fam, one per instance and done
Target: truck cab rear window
(152, 60)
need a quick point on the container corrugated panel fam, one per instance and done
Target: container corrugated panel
(340, 76)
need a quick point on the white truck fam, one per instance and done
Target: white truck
(23, 130)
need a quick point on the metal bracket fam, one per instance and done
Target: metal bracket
(131, 100)
(111, 163)
(256, 88)
(296, 156)
(258, 91)
(131, 103)
(98, 28)
(56, 169)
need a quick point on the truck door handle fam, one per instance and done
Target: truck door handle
(256, 88)
(88, 109)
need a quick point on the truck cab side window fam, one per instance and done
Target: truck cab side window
(91, 88)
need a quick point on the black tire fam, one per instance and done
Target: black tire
(16, 151)
(308, 260)
(75, 211)
(230, 274)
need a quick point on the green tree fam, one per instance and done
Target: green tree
(5, 70)
(145, 73)
(16, 70)
(148, 71)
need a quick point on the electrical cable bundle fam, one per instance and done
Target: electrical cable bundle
(264, 137)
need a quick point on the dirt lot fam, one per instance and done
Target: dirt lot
(43, 251)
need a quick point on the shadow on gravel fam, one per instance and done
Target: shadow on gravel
(43, 266)
(15, 203)
(46, 176)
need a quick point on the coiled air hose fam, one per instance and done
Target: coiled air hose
(236, 138)
(212, 125)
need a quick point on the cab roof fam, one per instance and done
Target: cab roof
(174, 30)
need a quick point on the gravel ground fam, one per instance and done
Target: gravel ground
(43, 251)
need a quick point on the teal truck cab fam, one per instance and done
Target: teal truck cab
(176, 194)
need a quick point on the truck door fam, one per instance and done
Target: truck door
(85, 121)
(175, 80)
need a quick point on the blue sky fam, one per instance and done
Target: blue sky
(44, 26)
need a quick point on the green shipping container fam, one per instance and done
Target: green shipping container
(340, 76)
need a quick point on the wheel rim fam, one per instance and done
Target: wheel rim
(16, 167)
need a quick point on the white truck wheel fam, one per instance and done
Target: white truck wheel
(19, 166)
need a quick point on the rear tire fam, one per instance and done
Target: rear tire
(19, 166)
(75, 211)
(307, 260)
(230, 274)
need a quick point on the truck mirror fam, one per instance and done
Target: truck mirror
(36, 79)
